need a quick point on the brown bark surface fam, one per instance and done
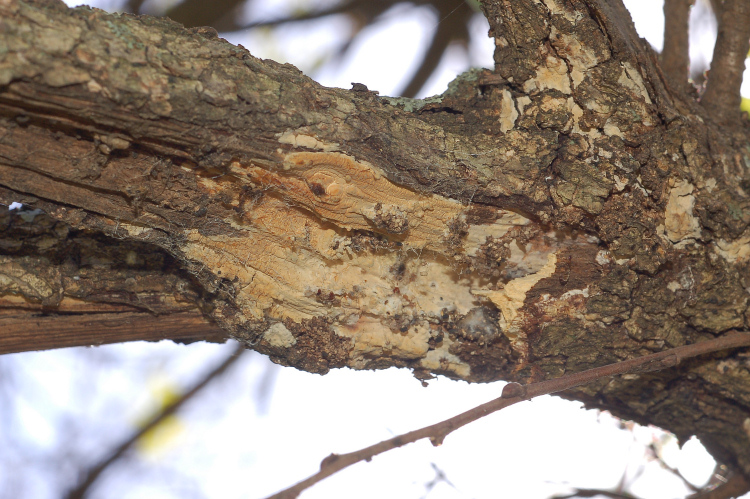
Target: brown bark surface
(566, 211)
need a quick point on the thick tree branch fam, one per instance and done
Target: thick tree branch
(63, 288)
(563, 211)
(24, 329)
(675, 57)
(512, 394)
(722, 96)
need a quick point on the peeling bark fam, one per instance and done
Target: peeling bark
(566, 211)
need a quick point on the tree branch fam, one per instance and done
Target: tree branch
(736, 486)
(722, 96)
(513, 393)
(23, 330)
(93, 474)
(594, 493)
(716, 7)
(63, 288)
(675, 58)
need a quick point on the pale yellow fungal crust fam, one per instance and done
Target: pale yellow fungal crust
(279, 336)
(357, 196)
(477, 234)
(305, 244)
(307, 141)
(553, 75)
(735, 251)
(511, 298)
(508, 112)
(681, 226)
(441, 359)
(631, 79)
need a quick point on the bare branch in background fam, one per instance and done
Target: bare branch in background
(722, 96)
(675, 58)
(93, 473)
(199, 12)
(341, 8)
(513, 393)
(452, 26)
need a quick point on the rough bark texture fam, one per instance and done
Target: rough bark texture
(565, 211)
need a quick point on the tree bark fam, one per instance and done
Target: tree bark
(564, 211)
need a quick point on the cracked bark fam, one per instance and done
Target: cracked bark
(567, 211)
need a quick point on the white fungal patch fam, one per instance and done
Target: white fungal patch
(620, 183)
(674, 286)
(580, 57)
(555, 7)
(511, 298)
(680, 224)
(631, 79)
(575, 292)
(604, 257)
(611, 129)
(552, 75)
(508, 112)
(133, 230)
(525, 260)
(372, 340)
(306, 141)
(279, 336)
(522, 102)
(477, 234)
(442, 359)
(734, 251)
(575, 110)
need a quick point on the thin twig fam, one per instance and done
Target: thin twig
(512, 394)
(595, 493)
(675, 58)
(95, 471)
(722, 96)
